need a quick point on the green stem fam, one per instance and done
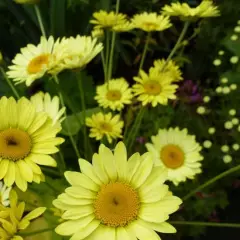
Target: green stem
(145, 51)
(132, 134)
(180, 38)
(211, 181)
(87, 145)
(107, 52)
(104, 66)
(10, 83)
(110, 66)
(207, 224)
(39, 17)
(67, 124)
(25, 234)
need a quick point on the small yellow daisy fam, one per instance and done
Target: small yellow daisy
(33, 62)
(103, 19)
(74, 53)
(124, 27)
(116, 199)
(114, 94)
(203, 10)
(44, 103)
(155, 88)
(105, 125)
(27, 138)
(178, 152)
(15, 220)
(151, 22)
(171, 68)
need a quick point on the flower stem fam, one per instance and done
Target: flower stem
(211, 181)
(207, 224)
(145, 51)
(39, 17)
(10, 83)
(180, 38)
(110, 66)
(132, 134)
(25, 234)
(107, 57)
(87, 145)
(67, 124)
(104, 66)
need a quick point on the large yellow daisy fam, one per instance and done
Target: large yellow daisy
(116, 199)
(114, 94)
(155, 88)
(151, 22)
(27, 138)
(105, 125)
(44, 103)
(178, 152)
(14, 218)
(204, 9)
(103, 19)
(74, 53)
(171, 68)
(33, 62)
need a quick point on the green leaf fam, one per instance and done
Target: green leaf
(233, 46)
(76, 121)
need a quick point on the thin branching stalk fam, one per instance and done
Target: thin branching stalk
(39, 18)
(144, 51)
(206, 224)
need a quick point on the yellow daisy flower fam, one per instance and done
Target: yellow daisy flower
(114, 94)
(171, 68)
(27, 138)
(73, 53)
(105, 125)
(155, 88)
(103, 19)
(115, 198)
(203, 10)
(124, 27)
(44, 103)
(32, 63)
(14, 221)
(151, 22)
(4, 194)
(97, 33)
(178, 152)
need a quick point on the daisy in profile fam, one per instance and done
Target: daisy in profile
(183, 10)
(33, 62)
(27, 138)
(116, 198)
(44, 103)
(105, 125)
(4, 194)
(74, 53)
(178, 152)
(151, 22)
(171, 68)
(155, 88)
(103, 19)
(114, 94)
(124, 27)
(15, 219)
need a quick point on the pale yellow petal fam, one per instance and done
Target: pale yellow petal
(120, 155)
(10, 175)
(25, 170)
(43, 159)
(144, 233)
(35, 213)
(20, 181)
(3, 168)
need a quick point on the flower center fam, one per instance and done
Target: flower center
(106, 127)
(152, 87)
(15, 144)
(117, 204)
(172, 156)
(114, 95)
(150, 25)
(37, 63)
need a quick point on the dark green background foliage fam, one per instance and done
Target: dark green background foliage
(18, 27)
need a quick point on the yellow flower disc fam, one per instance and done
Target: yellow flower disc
(172, 156)
(105, 127)
(152, 87)
(117, 204)
(15, 144)
(114, 95)
(36, 64)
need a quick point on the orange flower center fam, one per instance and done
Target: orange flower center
(152, 87)
(114, 95)
(172, 156)
(117, 204)
(37, 63)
